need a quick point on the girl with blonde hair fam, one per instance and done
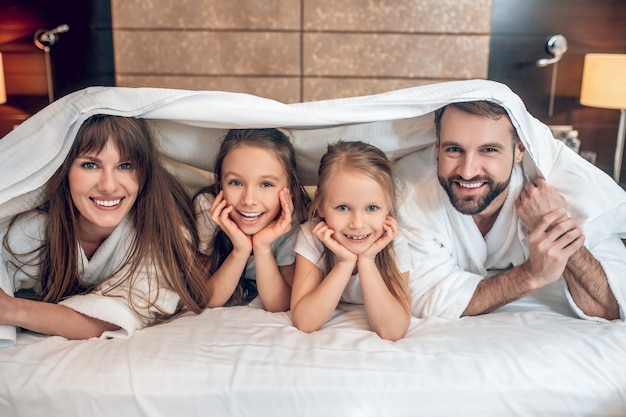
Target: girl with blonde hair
(350, 250)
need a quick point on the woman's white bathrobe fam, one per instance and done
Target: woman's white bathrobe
(192, 123)
(113, 294)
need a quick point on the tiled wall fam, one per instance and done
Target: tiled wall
(299, 50)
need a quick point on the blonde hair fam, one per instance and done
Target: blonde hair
(363, 159)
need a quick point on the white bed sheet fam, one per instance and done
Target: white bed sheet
(243, 361)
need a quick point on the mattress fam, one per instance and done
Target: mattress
(244, 361)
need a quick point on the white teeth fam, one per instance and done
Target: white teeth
(473, 185)
(107, 203)
(250, 215)
(361, 237)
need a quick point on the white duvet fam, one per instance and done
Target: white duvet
(531, 358)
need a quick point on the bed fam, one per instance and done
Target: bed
(529, 358)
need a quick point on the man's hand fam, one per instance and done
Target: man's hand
(536, 201)
(555, 238)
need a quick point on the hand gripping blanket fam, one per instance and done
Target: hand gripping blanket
(191, 124)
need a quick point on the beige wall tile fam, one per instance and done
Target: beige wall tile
(206, 14)
(283, 89)
(434, 16)
(202, 52)
(273, 49)
(391, 55)
(331, 88)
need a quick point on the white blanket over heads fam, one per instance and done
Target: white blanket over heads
(191, 124)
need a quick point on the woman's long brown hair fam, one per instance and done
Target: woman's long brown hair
(165, 242)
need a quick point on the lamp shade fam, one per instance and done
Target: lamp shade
(3, 91)
(604, 81)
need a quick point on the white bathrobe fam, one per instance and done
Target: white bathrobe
(192, 124)
(113, 295)
(450, 255)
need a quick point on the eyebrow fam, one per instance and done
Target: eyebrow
(89, 158)
(263, 177)
(95, 159)
(340, 201)
(484, 145)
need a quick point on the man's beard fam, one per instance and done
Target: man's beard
(477, 203)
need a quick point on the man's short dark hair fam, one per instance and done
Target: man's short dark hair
(483, 108)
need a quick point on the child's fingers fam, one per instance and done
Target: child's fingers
(285, 199)
(222, 216)
(219, 198)
(391, 226)
(318, 227)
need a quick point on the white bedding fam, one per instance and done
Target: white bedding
(242, 361)
(531, 358)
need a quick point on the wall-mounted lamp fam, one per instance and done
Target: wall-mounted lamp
(44, 39)
(556, 45)
(3, 90)
(604, 86)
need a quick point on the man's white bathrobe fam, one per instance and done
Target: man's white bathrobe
(451, 257)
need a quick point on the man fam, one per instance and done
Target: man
(483, 235)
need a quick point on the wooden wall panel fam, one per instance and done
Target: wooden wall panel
(327, 49)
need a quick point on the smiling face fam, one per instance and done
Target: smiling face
(251, 180)
(103, 188)
(476, 156)
(355, 206)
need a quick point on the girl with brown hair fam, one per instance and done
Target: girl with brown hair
(248, 220)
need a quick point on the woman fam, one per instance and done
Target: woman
(112, 248)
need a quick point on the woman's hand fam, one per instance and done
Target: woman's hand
(220, 215)
(325, 234)
(280, 226)
(5, 307)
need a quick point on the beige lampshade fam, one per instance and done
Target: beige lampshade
(3, 91)
(604, 81)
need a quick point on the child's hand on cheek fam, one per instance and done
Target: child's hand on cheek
(278, 227)
(220, 215)
(325, 234)
(390, 231)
